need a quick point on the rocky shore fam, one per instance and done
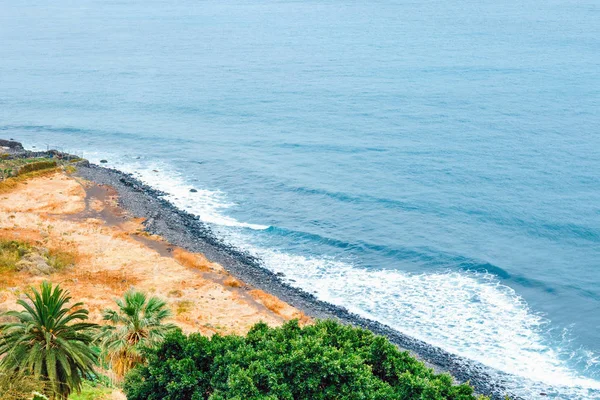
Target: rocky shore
(185, 230)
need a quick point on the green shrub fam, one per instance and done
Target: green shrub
(11, 252)
(19, 386)
(322, 361)
(36, 166)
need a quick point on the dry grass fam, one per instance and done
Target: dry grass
(279, 307)
(175, 293)
(302, 318)
(121, 235)
(183, 307)
(118, 281)
(232, 282)
(191, 260)
(19, 386)
(69, 169)
(10, 279)
(12, 251)
(268, 300)
(61, 259)
(12, 183)
(25, 235)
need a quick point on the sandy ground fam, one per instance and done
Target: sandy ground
(114, 254)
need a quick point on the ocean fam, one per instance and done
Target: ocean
(433, 165)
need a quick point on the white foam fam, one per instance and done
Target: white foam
(471, 315)
(208, 205)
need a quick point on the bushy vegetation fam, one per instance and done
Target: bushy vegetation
(15, 171)
(92, 390)
(326, 360)
(37, 166)
(20, 166)
(19, 386)
(49, 341)
(13, 252)
(138, 322)
(50, 348)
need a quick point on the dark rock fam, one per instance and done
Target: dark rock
(11, 144)
(103, 161)
(193, 190)
(280, 274)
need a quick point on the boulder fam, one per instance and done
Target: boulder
(11, 144)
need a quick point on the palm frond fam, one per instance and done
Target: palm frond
(137, 322)
(49, 339)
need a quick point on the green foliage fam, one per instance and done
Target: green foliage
(92, 391)
(60, 260)
(16, 166)
(11, 252)
(49, 340)
(37, 166)
(138, 323)
(322, 361)
(70, 169)
(19, 386)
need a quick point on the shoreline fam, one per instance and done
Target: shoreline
(179, 228)
(185, 230)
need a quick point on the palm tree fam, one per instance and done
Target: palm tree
(138, 323)
(49, 341)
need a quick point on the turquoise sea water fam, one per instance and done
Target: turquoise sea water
(434, 165)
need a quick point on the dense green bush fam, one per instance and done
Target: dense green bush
(322, 361)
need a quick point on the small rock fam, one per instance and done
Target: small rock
(154, 170)
(280, 274)
(193, 190)
(103, 161)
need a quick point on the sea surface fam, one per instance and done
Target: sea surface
(434, 165)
